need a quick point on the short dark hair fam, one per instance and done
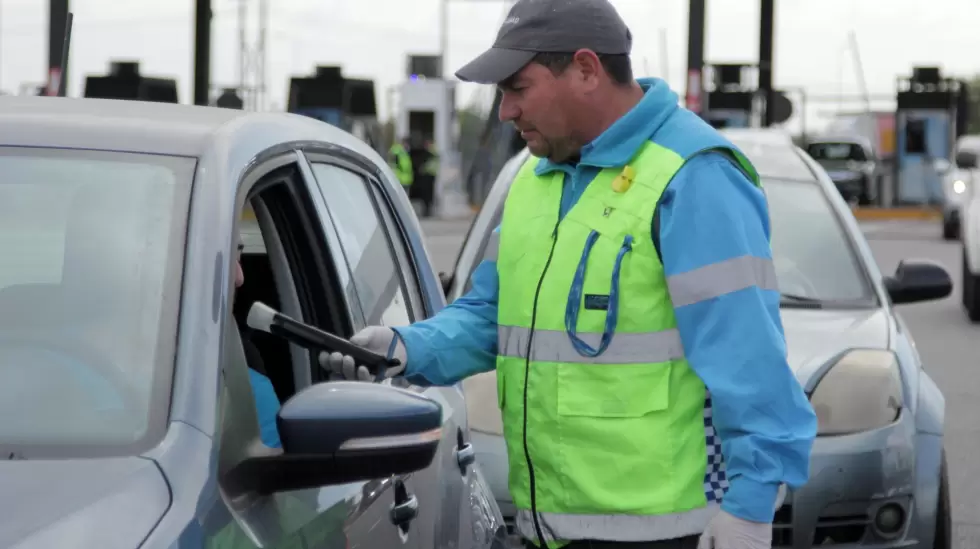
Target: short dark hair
(618, 66)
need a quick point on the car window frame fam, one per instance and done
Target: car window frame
(164, 371)
(405, 266)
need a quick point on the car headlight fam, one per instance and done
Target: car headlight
(959, 186)
(860, 392)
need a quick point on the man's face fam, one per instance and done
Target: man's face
(543, 107)
(239, 273)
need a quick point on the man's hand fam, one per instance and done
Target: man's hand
(726, 531)
(378, 339)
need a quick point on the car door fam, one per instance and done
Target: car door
(386, 286)
(348, 516)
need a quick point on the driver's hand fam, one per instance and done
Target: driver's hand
(377, 339)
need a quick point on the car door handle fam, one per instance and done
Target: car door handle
(465, 456)
(405, 512)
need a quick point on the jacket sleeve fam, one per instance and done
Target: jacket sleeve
(461, 340)
(714, 240)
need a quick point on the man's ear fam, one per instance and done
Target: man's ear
(588, 68)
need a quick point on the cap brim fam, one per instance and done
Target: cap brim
(494, 66)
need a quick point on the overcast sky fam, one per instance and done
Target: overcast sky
(370, 39)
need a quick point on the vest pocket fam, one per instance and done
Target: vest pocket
(613, 391)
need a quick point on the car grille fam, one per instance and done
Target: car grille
(831, 529)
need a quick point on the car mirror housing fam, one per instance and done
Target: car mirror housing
(341, 432)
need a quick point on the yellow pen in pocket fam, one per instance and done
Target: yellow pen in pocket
(623, 181)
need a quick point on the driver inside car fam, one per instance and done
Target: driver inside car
(266, 401)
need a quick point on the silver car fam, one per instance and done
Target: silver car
(878, 470)
(130, 404)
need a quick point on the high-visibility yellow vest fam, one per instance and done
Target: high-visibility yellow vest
(617, 441)
(431, 166)
(401, 164)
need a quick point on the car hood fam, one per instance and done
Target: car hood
(105, 503)
(815, 336)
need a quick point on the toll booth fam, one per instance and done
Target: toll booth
(931, 113)
(124, 81)
(427, 103)
(329, 96)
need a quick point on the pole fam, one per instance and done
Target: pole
(65, 46)
(202, 52)
(57, 20)
(859, 68)
(444, 38)
(695, 56)
(664, 67)
(765, 59)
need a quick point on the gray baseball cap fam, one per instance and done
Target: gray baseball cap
(549, 26)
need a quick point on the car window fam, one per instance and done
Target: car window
(365, 243)
(90, 259)
(813, 255)
(836, 151)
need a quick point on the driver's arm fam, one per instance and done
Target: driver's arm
(714, 240)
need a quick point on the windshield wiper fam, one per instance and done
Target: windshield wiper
(800, 300)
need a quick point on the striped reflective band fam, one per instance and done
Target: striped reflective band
(569, 527)
(721, 278)
(492, 248)
(625, 348)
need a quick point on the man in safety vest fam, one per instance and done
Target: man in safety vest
(401, 164)
(628, 302)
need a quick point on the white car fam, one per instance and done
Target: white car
(969, 222)
(959, 183)
(878, 475)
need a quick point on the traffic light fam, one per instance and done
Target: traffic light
(124, 81)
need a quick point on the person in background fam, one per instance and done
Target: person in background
(401, 163)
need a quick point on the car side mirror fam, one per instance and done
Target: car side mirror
(447, 282)
(340, 432)
(966, 160)
(941, 165)
(918, 280)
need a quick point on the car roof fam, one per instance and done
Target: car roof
(773, 158)
(146, 127)
(762, 136)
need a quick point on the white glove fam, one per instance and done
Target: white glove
(726, 531)
(377, 339)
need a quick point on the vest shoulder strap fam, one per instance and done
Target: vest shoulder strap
(739, 161)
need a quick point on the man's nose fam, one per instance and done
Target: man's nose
(508, 110)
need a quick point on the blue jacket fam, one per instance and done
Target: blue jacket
(267, 408)
(709, 213)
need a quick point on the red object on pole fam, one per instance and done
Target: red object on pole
(693, 98)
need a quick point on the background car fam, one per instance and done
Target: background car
(851, 163)
(960, 181)
(878, 469)
(129, 418)
(969, 218)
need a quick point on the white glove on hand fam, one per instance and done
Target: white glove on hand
(377, 339)
(726, 531)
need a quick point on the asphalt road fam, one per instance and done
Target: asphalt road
(946, 340)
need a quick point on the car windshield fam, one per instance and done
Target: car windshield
(814, 258)
(836, 151)
(90, 261)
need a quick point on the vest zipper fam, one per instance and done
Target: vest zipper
(527, 376)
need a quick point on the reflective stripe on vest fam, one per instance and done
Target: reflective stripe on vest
(587, 339)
